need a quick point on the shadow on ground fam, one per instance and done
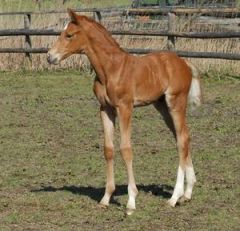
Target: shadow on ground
(97, 193)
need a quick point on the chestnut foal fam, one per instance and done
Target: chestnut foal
(124, 81)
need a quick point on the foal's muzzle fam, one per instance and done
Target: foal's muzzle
(52, 59)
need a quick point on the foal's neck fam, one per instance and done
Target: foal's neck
(106, 63)
(104, 54)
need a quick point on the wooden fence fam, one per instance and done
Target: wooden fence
(97, 14)
(210, 11)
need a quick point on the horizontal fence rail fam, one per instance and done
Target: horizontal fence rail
(40, 50)
(200, 35)
(181, 10)
(141, 11)
(188, 54)
(82, 10)
(97, 13)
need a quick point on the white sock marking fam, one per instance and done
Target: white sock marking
(179, 187)
(191, 179)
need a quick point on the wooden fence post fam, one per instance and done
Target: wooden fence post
(28, 43)
(171, 29)
(97, 16)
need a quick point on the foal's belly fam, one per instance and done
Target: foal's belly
(148, 92)
(148, 96)
(139, 103)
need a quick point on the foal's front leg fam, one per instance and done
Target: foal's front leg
(125, 116)
(108, 120)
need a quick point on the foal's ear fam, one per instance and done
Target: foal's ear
(73, 16)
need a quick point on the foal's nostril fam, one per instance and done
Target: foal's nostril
(52, 58)
(48, 58)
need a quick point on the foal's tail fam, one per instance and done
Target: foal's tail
(195, 94)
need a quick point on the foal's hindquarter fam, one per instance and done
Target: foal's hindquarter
(142, 81)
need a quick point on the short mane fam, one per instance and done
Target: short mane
(102, 30)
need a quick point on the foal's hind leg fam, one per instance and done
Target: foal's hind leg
(162, 107)
(108, 120)
(177, 107)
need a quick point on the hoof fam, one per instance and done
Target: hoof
(102, 206)
(184, 199)
(172, 202)
(130, 211)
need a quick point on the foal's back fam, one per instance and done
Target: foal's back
(155, 74)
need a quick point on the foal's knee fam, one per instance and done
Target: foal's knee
(108, 153)
(126, 153)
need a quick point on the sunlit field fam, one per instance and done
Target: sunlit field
(53, 169)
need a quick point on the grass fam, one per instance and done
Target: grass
(53, 170)
(32, 5)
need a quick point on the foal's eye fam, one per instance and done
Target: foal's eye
(68, 36)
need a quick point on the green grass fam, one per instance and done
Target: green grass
(31, 5)
(53, 170)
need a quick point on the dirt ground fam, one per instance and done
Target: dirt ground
(52, 170)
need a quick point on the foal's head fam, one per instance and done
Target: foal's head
(72, 40)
